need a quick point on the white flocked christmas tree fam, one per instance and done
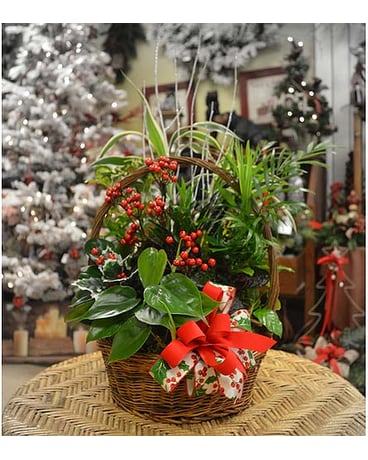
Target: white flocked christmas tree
(60, 106)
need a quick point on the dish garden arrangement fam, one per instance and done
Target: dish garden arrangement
(181, 289)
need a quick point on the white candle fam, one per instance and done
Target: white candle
(79, 340)
(20, 338)
(91, 346)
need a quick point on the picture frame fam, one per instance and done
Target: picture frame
(256, 89)
(168, 97)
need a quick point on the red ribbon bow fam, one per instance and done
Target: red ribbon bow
(337, 270)
(330, 354)
(213, 341)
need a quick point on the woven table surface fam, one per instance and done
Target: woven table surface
(292, 396)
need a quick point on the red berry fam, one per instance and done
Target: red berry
(211, 262)
(204, 267)
(169, 239)
(95, 251)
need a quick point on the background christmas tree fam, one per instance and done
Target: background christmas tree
(59, 106)
(303, 113)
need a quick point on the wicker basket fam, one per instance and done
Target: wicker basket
(132, 387)
(134, 390)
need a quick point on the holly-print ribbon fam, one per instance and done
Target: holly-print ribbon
(335, 273)
(330, 354)
(218, 352)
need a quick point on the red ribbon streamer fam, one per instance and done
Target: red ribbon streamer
(337, 262)
(330, 354)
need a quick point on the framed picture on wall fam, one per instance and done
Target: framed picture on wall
(256, 93)
(171, 97)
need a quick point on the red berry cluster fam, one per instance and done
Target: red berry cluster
(130, 237)
(163, 166)
(189, 256)
(132, 201)
(156, 207)
(113, 192)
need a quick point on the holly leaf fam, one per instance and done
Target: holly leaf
(270, 320)
(159, 370)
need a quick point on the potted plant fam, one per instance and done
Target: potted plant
(181, 289)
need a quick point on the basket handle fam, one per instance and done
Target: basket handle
(226, 177)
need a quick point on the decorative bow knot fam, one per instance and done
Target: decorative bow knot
(332, 260)
(330, 354)
(218, 352)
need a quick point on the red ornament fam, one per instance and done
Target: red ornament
(74, 253)
(18, 301)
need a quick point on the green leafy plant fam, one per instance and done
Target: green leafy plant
(192, 210)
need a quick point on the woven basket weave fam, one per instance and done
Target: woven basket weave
(132, 387)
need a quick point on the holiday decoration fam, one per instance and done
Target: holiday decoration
(59, 107)
(216, 48)
(182, 283)
(303, 113)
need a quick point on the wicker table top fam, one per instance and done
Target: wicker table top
(292, 396)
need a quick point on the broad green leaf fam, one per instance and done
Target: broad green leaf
(270, 320)
(112, 302)
(151, 266)
(92, 285)
(78, 310)
(153, 317)
(177, 295)
(102, 328)
(129, 339)
(208, 304)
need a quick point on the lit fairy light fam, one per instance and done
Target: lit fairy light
(22, 209)
(89, 95)
(76, 209)
(301, 119)
(64, 111)
(290, 39)
(25, 122)
(291, 90)
(54, 115)
(10, 285)
(311, 93)
(35, 219)
(84, 235)
(20, 274)
(114, 105)
(33, 212)
(86, 129)
(48, 54)
(83, 160)
(290, 113)
(314, 116)
(27, 93)
(41, 100)
(82, 145)
(66, 80)
(45, 139)
(303, 83)
(300, 44)
(20, 102)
